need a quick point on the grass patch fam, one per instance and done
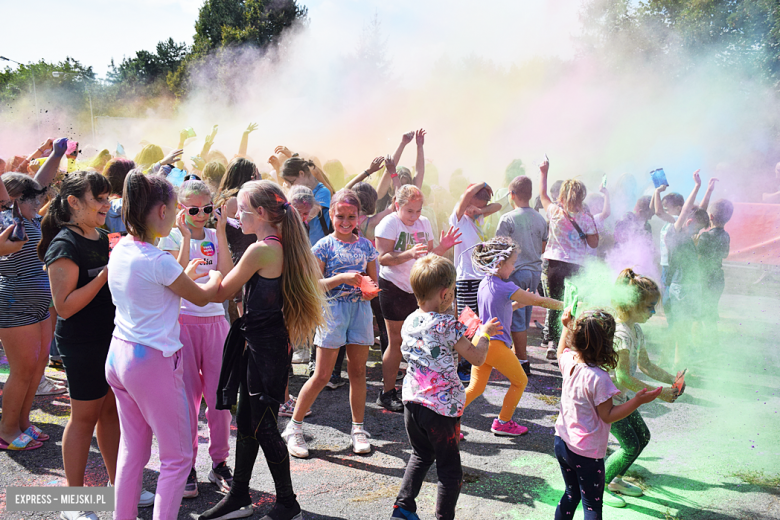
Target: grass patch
(758, 478)
(549, 399)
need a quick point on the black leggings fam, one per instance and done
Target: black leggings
(433, 438)
(553, 275)
(259, 396)
(584, 479)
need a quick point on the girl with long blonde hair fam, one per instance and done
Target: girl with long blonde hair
(284, 304)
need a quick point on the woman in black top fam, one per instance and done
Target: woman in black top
(76, 253)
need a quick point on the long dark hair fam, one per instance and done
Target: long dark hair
(59, 212)
(140, 195)
(239, 172)
(592, 336)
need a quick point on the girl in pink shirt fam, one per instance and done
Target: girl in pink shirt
(582, 428)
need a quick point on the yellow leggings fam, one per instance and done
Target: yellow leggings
(502, 358)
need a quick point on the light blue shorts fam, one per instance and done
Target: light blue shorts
(524, 279)
(350, 323)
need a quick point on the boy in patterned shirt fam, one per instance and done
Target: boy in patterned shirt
(433, 396)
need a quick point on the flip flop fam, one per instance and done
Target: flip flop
(36, 433)
(22, 443)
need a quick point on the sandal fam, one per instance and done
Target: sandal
(36, 433)
(22, 443)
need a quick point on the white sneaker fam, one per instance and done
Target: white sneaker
(146, 500)
(300, 356)
(296, 444)
(46, 387)
(78, 515)
(360, 442)
(618, 485)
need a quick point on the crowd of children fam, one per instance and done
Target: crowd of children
(202, 285)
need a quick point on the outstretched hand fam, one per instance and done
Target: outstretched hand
(198, 162)
(419, 136)
(407, 137)
(376, 164)
(697, 178)
(192, 267)
(251, 128)
(644, 396)
(283, 150)
(711, 184)
(172, 157)
(60, 147)
(450, 237)
(492, 328)
(389, 164)
(210, 137)
(544, 166)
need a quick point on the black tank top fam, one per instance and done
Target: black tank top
(263, 305)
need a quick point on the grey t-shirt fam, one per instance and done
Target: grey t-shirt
(529, 230)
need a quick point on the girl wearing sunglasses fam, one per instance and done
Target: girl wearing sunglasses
(202, 329)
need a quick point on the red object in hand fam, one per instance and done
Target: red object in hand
(470, 319)
(679, 383)
(113, 240)
(368, 287)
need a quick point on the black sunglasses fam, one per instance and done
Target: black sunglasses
(194, 210)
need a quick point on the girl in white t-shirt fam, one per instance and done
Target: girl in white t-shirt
(582, 428)
(401, 238)
(203, 329)
(144, 365)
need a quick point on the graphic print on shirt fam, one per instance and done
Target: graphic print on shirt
(207, 248)
(407, 240)
(342, 257)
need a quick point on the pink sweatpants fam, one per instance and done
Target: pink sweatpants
(204, 339)
(150, 399)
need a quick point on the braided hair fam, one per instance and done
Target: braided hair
(486, 257)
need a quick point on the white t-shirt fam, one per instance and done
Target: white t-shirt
(472, 233)
(147, 311)
(404, 237)
(633, 341)
(207, 249)
(664, 249)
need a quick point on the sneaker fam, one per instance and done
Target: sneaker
(465, 377)
(296, 444)
(300, 356)
(360, 442)
(46, 387)
(221, 476)
(526, 368)
(287, 409)
(612, 500)
(552, 352)
(389, 401)
(191, 488)
(309, 369)
(400, 512)
(462, 437)
(508, 429)
(229, 507)
(335, 382)
(618, 485)
(78, 515)
(56, 362)
(400, 376)
(146, 499)
(282, 512)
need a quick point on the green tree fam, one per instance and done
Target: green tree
(146, 67)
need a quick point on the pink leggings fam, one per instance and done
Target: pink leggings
(150, 399)
(203, 338)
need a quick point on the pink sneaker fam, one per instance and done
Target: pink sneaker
(462, 437)
(509, 429)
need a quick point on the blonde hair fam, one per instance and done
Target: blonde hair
(303, 299)
(430, 274)
(642, 290)
(407, 193)
(150, 154)
(572, 195)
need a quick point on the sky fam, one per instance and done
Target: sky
(418, 31)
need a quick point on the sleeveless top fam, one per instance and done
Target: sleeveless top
(263, 306)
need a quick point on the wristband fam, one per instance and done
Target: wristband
(486, 336)
(393, 175)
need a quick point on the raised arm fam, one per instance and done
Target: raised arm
(209, 141)
(543, 169)
(376, 165)
(245, 139)
(606, 211)
(405, 139)
(419, 167)
(48, 171)
(465, 199)
(658, 206)
(690, 202)
(705, 202)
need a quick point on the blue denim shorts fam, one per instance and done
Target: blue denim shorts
(350, 323)
(524, 279)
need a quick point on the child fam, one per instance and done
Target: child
(297, 171)
(496, 260)
(685, 277)
(582, 431)
(401, 238)
(433, 395)
(145, 360)
(203, 329)
(631, 432)
(713, 248)
(469, 217)
(667, 209)
(527, 228)
(342, 257)
(284, 305)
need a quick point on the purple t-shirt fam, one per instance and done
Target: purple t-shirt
(494, 299)
(583, 389)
